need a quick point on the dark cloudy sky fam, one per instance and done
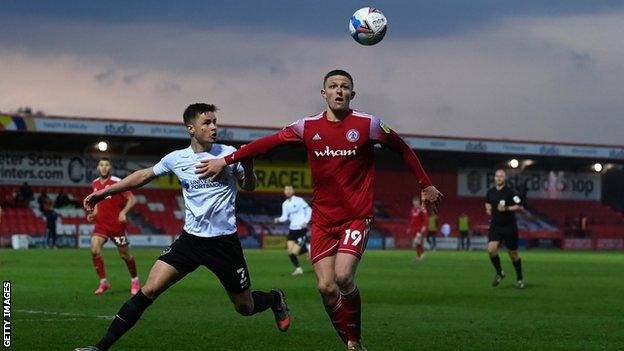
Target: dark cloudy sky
(531, 70)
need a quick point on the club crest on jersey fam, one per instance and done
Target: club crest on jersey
(353, 135)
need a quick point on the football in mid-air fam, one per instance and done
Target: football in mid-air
(368, 26)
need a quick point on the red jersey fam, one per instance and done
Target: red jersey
(341, 158)
(108, 209)
(418, 219)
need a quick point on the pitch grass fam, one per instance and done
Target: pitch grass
(573, 301)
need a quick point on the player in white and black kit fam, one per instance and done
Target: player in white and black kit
(298, 213)
(209, 236)
(502, 203)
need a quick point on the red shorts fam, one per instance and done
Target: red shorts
(349, 237)
(117, 235)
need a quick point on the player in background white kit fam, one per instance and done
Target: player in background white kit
(209, 236)
(298, 213)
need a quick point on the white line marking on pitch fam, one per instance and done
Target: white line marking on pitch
(50, 320)
(64, 314)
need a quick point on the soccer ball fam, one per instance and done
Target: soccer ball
(368, 26)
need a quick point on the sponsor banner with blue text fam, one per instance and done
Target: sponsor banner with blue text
(537, 184)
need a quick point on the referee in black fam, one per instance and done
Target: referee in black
(501, 203)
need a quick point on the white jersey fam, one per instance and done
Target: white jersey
(297, 211)
(209, 206)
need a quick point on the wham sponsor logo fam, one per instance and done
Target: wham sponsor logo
(334, 153)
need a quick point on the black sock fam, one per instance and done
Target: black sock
(303, 250)
(518, 266)
(294, 260)
(127, 316)
(264, 300)
(496, 263)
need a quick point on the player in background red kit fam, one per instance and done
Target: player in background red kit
(340, 146)
(418, 226)
(110, 223)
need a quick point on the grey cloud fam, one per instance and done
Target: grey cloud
(132, 78)
(106, 78)
(581, 60)
(168, 87)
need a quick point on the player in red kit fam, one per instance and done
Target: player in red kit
(418, 226)
(110, 223)
(340, 147)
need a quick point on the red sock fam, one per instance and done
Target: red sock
(336, 313)
(420, 250)
(353, 311)
(98, 262)
(131, 263)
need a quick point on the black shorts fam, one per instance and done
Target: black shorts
(223, 255)
(506, 235)
(298, 236)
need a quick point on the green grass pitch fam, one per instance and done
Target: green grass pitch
(573, 301)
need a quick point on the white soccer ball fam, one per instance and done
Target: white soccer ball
(368, 26)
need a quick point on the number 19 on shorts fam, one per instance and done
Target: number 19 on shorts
(352, 236)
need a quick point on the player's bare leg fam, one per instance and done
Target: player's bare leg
(517, 263)
(293, 253)
(97, 242)
(161, 277)
(250, 302)
(495, 259)
(124, 253)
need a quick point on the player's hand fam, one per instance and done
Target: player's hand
(90, 217)
(91, 200)
(431, 197)
(275, 220)
(500, 208)
(210, 168)
(122, 217)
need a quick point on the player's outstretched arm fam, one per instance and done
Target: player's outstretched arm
(134, 180)
(429, 194)
(212, 168)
